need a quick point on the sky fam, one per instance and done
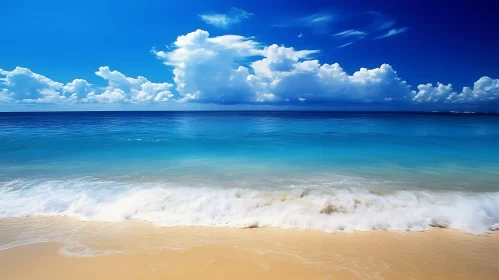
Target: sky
(224, 55)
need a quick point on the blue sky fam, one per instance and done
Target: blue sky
(126, 55)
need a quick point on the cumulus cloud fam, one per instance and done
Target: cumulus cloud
(78, 89)
(225, 20)
(485, 89)
(121, 88)
(429, 93)
(242, 71)
(208, 69)
(233, 69)
(23, 85)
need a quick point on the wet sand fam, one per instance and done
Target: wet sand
(135, 250)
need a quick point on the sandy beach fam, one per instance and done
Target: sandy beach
(138, 250)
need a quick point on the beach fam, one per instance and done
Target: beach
(139, 250)
(248, 195)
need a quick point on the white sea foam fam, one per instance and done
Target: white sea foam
(326, 208)
(23, 242)
(70, 246)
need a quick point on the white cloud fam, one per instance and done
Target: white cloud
(485, 89)
(233, 69)
(350, 33)
(278, 59)
(241, 71)
(385, 25)
(362, 25)
(121, 88)
(225, 20)
(317, 19)
(345, 45)
(392, 32)
(208, 69)
(380, 21)
(78, 89)
(319, 22)
(115, 95)
(356, 35)
(23, 85)
(429, 93)
(218, 20)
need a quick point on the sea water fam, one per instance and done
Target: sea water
(330, 171)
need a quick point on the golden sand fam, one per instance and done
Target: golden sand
(135, 250)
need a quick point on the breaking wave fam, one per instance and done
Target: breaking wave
(324, 208)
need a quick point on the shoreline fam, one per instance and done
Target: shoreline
(139, 250)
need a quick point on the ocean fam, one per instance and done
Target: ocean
(328, 171)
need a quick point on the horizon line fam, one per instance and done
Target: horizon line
(453, 112)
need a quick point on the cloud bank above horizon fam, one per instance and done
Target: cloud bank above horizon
(233, 69)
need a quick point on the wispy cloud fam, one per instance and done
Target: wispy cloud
(235, 15)
(385, 24)
(347, 28)
(318, 22)
(350, 33)
(319, 18)
(381, 21)
(392, 32)
(347, 44)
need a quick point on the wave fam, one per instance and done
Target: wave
(324, 208)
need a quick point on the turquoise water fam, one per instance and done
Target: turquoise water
(379, 170)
